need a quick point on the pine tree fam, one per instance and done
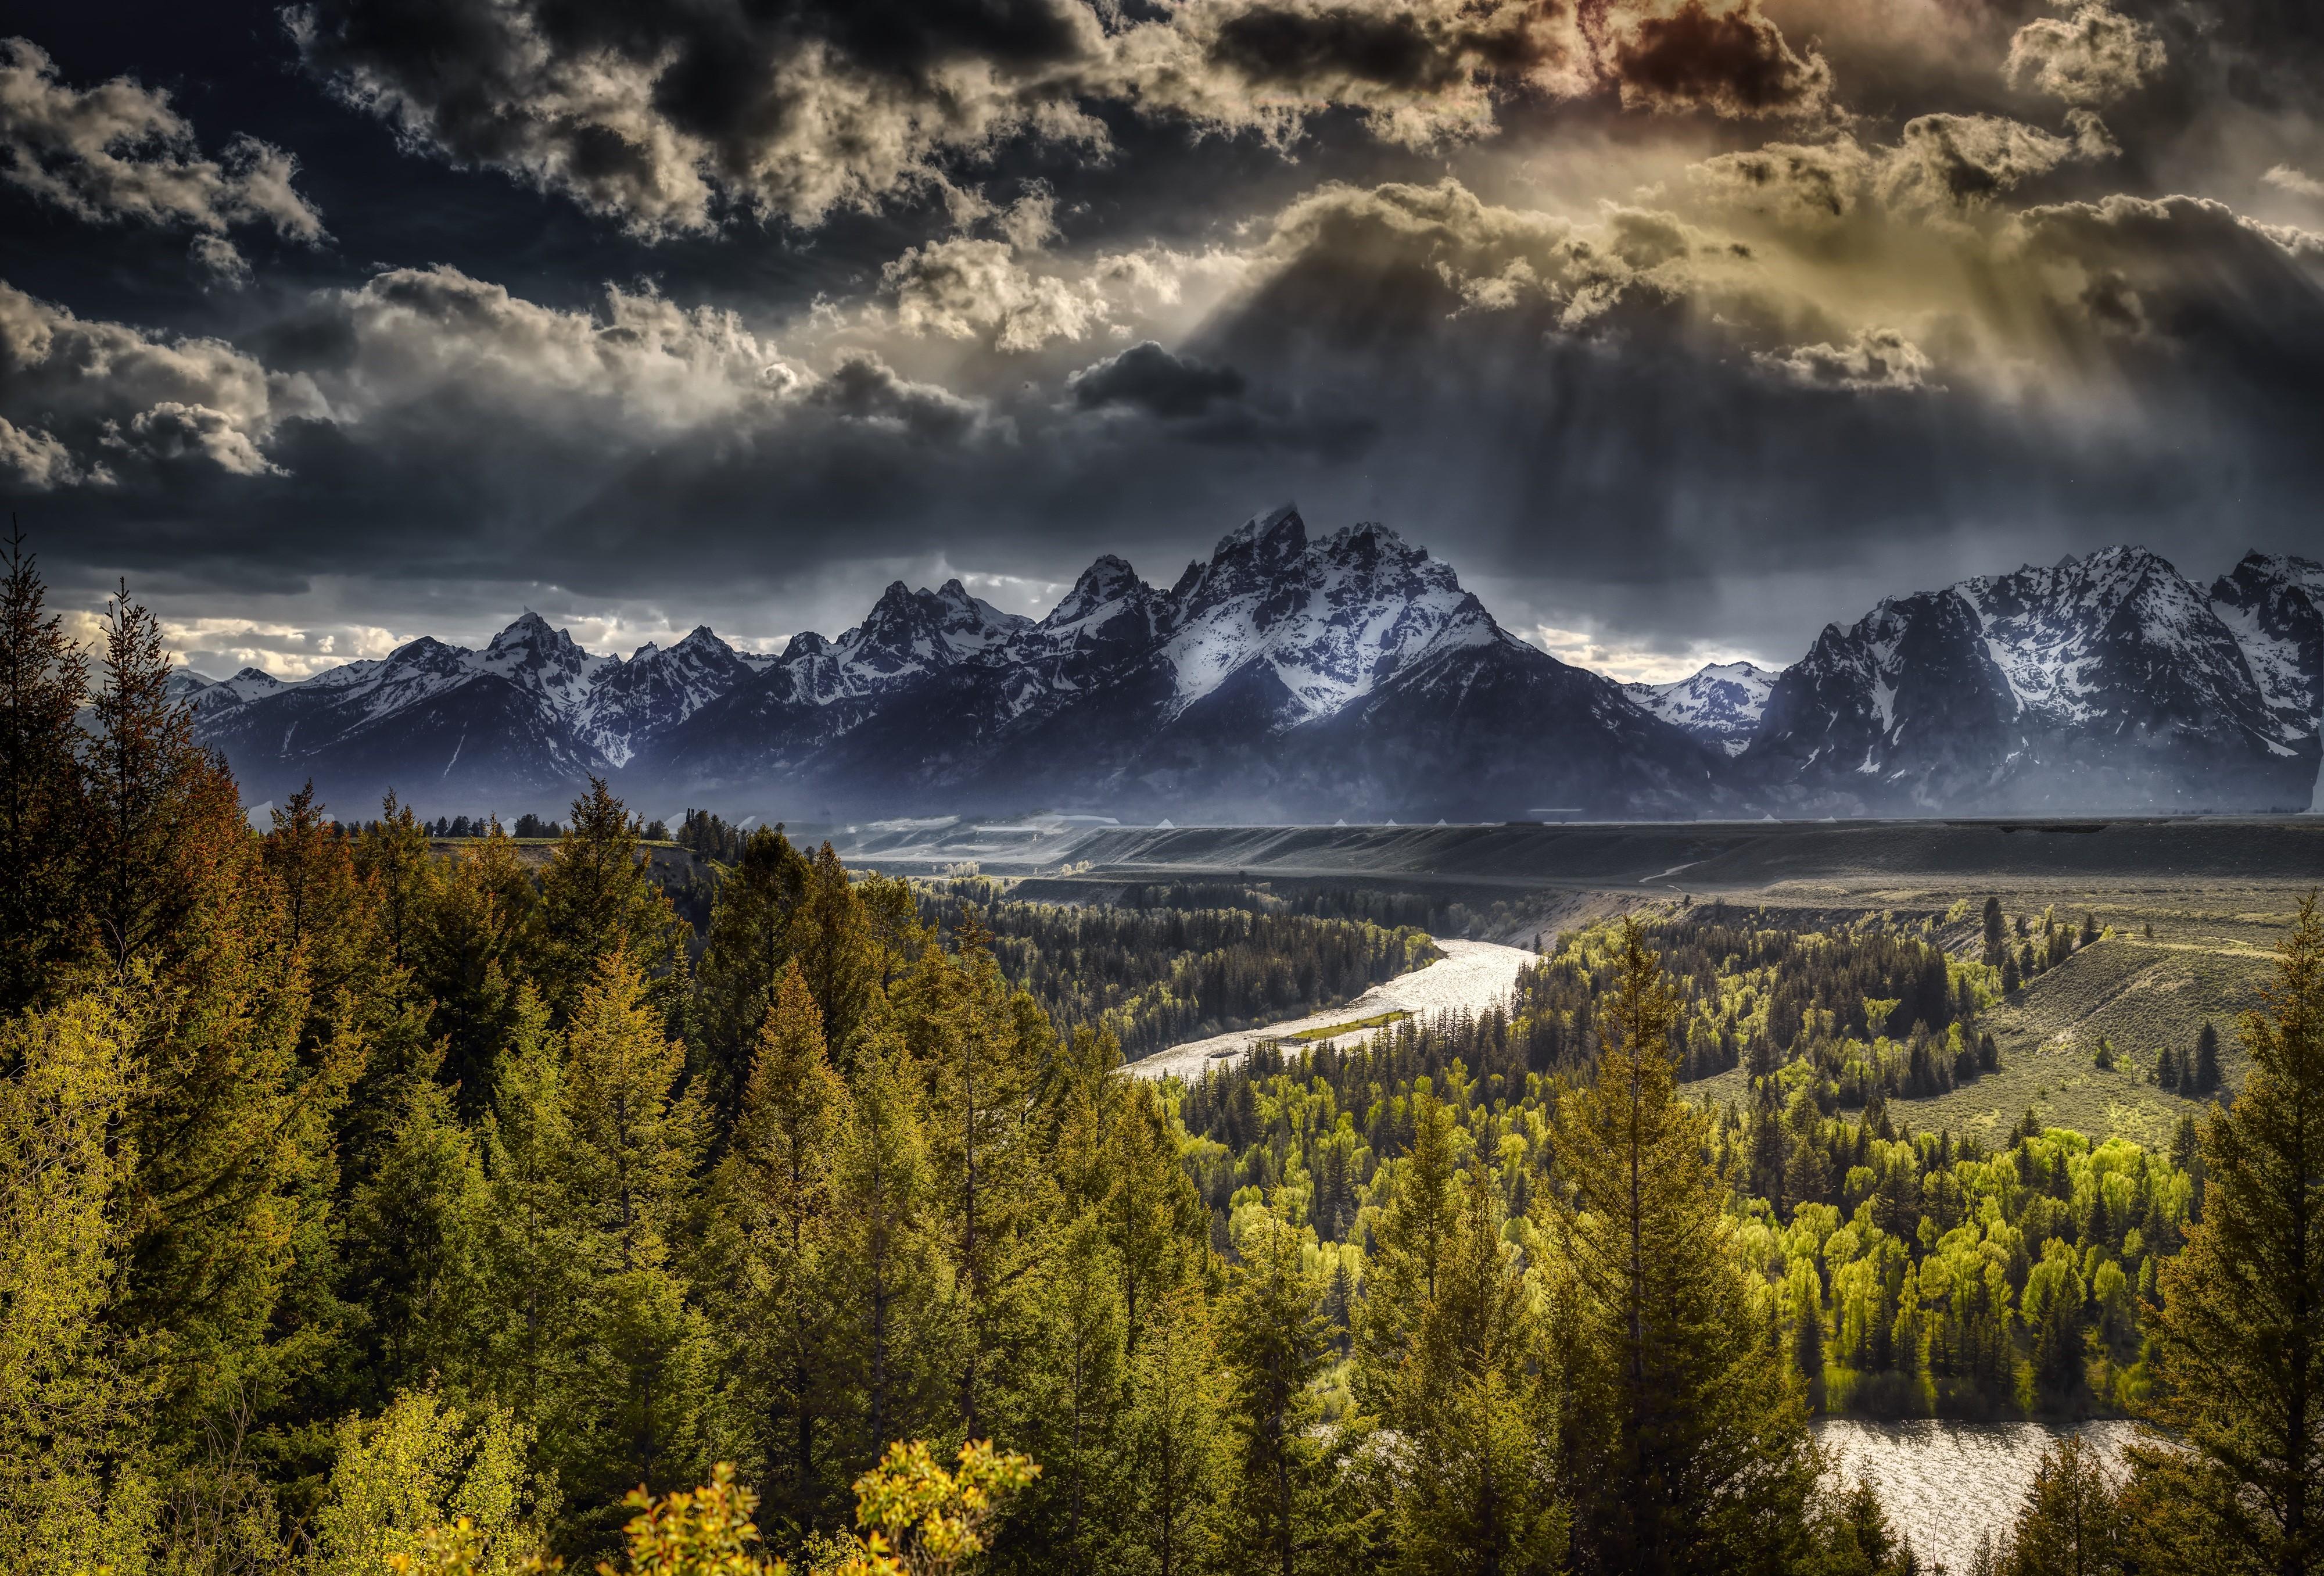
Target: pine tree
(2206, 1070)
(597, 899)
(981, 1047)
(1177, 1432)
(2239, 1337)
(1686, 1446)
(775, 1194)
(44, 842)
(894, 1343)
(1412, 1235)
(632, 1145)
(471, 957)
(833, 942)
(1993, 933)
(745, 951)
(415, 1267)
(1280, 1504)
(532, 1249)
(2071, 1521)
(1477, 1487)
(164, 816)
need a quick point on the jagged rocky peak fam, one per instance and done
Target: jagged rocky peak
(1250, 559)
(2274, 604)
(1106, 584)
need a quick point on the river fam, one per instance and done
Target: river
(1471, 976)
(1944, 1483)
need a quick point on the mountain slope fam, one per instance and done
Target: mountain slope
(2102, 684)
(1720, 703)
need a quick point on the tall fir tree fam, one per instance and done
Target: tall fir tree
(634, 1140)
(76, 1467)
(746, 949)
(1283, 1513)
(44, 843)
(775, 1195)
(894, 1338)
(1685, 1444)
(2239, 1333)
(597, 899)
(1176, 1436)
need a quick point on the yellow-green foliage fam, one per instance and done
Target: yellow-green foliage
(68, 1400)
(419, 1462)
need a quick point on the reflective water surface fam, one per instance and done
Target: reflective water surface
(1943, 1483)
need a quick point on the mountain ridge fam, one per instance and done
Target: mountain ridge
(1351, 676)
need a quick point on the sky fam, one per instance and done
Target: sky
(1679, 327)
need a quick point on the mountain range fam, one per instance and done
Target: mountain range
(1347, 678)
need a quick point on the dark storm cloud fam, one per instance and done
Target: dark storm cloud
(1731, 61)
(863, 388)
(1686, 298)
(1149, 378)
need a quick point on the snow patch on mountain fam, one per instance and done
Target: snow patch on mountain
(1719, 703)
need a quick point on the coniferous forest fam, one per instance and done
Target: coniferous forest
(369, 1209)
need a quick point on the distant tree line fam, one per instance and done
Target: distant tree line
(1154, 975)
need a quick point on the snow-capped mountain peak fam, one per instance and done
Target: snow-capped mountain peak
(1287, 674)
(1719, 703)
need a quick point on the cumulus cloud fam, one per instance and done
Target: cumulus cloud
(223, 646)
(1939, 163)
(864, 388)
(965, 288)
(1970, 159)
(1146, 377)
(42, 462)
(410, 340)
(1875, 360)
(2092, 57)
(1727, 58)
(118, 152)
(73, 386)
(670, 120)
(2298, 182)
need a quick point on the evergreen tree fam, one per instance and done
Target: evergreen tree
(473, 957)
(163, 814)
(44, 842)
(1687, 1447)
(2206, 1067)
(536, 1304)
(633, 1141)
(597, 899)
(1176, 1436)
(1280, 1503)
(889, 1329)
(1476, 1483)
(2071, 1522)
(414, 1263)
(1993, 933)
(981, 1049)
(1412, 1236)
(748, 946)
(774, 1195)
(2239, 1336)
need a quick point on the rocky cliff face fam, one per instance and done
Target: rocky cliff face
(2108, 683)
